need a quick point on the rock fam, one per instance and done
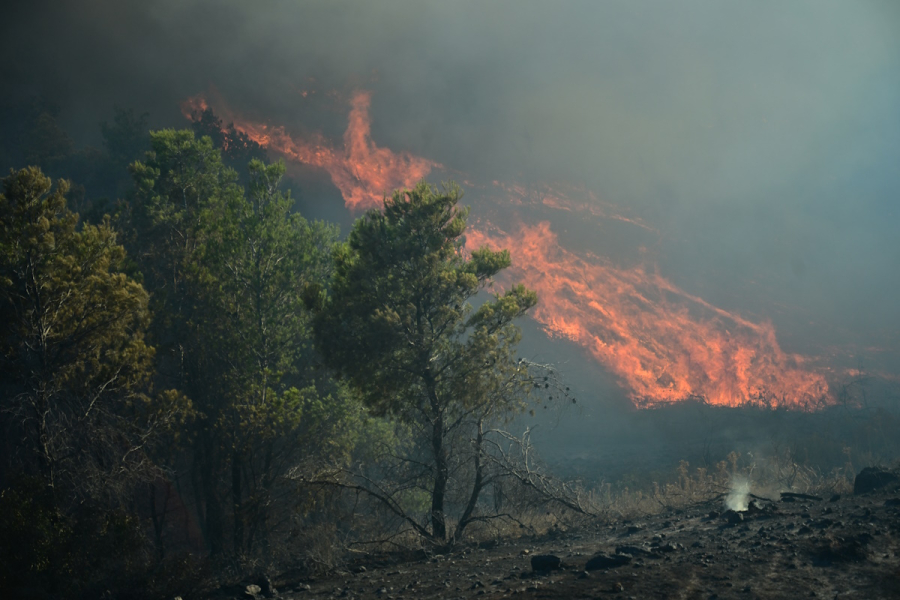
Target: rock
(605, 561)
(873, 478)
(632, 550)
(252, 591)
(733, 517)
(835, 498)
(892, 502)
(545, 562)
(794, 496)
(266, 588)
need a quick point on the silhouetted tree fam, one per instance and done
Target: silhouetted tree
(399, 325)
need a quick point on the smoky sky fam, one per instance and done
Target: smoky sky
(761, 139)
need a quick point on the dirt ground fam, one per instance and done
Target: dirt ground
(794, 547)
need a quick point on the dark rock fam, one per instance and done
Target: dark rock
(835, 498)
(670, 547)
(873, 478)
(265, 585)
(892, 502)
(635, 528)
(842, 549)
(733, 518)
(632, 550)
(794, 496)
(545, 562)
(604, 561)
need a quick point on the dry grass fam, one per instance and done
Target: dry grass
(761, 476)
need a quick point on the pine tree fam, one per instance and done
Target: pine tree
(400, 326)
(73, 355)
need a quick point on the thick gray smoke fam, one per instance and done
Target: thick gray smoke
(761, 139)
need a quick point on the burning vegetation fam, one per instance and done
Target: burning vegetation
(664, 344)
(206, 394)
(204, 389)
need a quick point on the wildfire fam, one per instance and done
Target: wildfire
(664, 344)
(560, 198)
(362, 171)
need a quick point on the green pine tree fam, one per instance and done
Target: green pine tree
(73, 355)
(400, 326)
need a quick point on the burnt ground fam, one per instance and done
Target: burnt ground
(794, 547)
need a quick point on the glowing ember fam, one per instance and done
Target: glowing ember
(664, 344)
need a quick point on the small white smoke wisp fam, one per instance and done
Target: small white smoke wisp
(737, 498)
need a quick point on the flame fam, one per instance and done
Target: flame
(560, 198)
(361, 170)
(664, 344)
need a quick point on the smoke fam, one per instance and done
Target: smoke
(738, 497)
(756, 141)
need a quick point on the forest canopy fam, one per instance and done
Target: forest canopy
(192, 371)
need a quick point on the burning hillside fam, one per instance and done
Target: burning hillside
(362, 171)
(664, 344)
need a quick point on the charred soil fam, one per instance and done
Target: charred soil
(796, 546)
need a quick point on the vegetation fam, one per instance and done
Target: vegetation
(197, 384)
(75, 366)
(185, 376)
(398, 324)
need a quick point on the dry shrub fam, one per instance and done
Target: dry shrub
(763, 476)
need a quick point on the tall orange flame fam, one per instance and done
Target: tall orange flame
(664, 344)
(362, 171)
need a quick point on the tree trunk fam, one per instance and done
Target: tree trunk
(158, 517)
(214, 516)
(441, 475)
(236, 499)
(477, 485)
